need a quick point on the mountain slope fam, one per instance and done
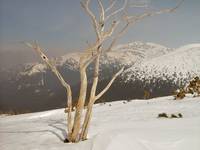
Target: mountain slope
(180, 65)
(152, 68)
(122, 55)
(135, 126)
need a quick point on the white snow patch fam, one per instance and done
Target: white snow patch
(130, 126)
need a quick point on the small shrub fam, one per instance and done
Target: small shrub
(146, 94)
(173, 116)
(192, 88)
(180, 115)
(180, 94)
(162, 115)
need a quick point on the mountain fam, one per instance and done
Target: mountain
(162, 75)
(149, 67)
(180, 65)
(126, 54)
(118, 125)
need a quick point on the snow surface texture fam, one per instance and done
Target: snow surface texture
(180, 65)
(115, 126)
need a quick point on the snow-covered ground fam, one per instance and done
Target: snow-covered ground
(115, 126)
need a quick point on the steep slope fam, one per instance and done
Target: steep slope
(115, 126)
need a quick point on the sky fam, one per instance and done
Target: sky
(61, 26)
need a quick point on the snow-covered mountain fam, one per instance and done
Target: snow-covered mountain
(149, 67)
(122, 55)
(118, 125)
(179, 66)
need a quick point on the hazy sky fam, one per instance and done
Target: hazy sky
(62, 26)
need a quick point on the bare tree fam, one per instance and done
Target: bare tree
(109, 24)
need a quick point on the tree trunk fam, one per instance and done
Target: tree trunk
(69, 116)
(91, 100)
(87, 120)
(80, 106)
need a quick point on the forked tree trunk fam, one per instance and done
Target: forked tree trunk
(75, 134)
(91, 100)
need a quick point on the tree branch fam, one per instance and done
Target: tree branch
(61, 79)
(134, 19)
(117, 11)
(85, 5)
(138, 5)
(109, 84)
(90, 55)
(102, 12)
(117, 36)
(111, 30)
(111, 6)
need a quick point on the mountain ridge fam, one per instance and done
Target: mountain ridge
(146, 66)
(182, 63)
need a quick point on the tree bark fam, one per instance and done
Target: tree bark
(80, 105)
(91, 100)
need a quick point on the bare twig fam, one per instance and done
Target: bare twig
(111, 30)
(113, 2)
(102, 12)
(134, 19)
(130, 20)
(85, 5)
(117, 36)
(117, 11)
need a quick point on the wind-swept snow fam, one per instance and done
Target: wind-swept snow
(115, 126)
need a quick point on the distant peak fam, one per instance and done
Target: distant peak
(189, 46)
